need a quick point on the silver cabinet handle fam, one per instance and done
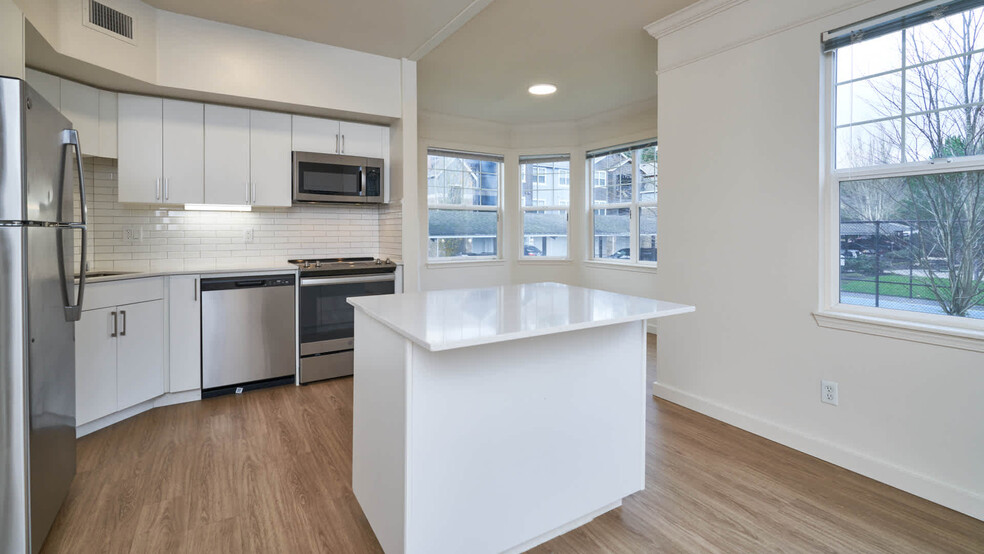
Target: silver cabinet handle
(247, 191)
(167, 188)
(196, 290)
(252, 194)
(123, 332)
(116, 323)
(157, 189)
(343, 144)
(337, 149)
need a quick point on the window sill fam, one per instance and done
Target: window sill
(928, 333)
(542, 260)
(444, 264)
(622, 266)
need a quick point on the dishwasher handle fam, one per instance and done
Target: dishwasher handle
(240, 283)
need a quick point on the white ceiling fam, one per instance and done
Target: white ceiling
(595, 51)
(394, 28)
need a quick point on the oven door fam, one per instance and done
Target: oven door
(328, 178)
(327, 320)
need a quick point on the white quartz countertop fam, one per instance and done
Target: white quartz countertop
(234, 270)
(449, 319)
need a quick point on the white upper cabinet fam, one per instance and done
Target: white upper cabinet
(227, 155)
(48, 86)
(108, 121)
(141, 148)
(80, 104)
(270, 150)
(184, 157)
(359, 139)
(314, 134)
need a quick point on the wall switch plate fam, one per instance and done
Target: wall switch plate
(248, 235)
(132, 233)
(828, 393)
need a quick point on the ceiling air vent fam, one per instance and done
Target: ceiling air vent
(105, 19)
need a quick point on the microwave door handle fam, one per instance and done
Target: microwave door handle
(362, 183)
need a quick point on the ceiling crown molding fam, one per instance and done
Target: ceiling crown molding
(689, 16)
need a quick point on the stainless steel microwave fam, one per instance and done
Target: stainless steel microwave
(328, 178)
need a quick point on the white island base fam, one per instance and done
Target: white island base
(471, 435)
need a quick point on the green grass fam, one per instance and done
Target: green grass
(895, 285)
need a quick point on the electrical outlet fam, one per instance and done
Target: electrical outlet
(132, 233)
(248, 235)
(828, 392)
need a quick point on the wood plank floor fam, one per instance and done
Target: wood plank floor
(269, 472)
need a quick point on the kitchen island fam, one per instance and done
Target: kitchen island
(493, 419)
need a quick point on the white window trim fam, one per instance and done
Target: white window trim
(469, 260)
(940, 330)
(523, 258)
(634, 218)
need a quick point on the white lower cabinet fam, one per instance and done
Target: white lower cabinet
(95, 365)
(140, 353)
(185, 333)
(119, 349)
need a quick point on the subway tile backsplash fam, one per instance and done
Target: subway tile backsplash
(170, 238)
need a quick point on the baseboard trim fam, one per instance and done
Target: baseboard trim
(127, 413)
(921, 485)
(528, 545)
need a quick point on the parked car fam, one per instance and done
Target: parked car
(530, 250)
(622, 254)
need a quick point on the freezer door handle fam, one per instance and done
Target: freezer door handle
(73, 312)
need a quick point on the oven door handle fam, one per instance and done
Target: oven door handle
(320, 281)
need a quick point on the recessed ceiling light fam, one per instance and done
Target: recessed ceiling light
(543, 89)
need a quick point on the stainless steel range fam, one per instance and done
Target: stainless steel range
(327, 321)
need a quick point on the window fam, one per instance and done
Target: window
(908, 161)
(545, 193)
(623, 203)
(463, 204)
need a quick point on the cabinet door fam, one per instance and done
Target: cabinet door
(184, 157)
(47, 85)
(226, 155)
(80, 104)
(95, 365)
(269, 158)
(185, 332)
(107, 124)
(314, 134)
(140, 353)
(140, 129)
(359, 139)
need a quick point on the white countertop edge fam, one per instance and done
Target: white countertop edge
(224, 271)
(505, 337)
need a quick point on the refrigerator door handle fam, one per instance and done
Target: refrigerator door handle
(73, 312)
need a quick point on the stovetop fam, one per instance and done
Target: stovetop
(343, 266)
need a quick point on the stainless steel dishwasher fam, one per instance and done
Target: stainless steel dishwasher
(248, 333)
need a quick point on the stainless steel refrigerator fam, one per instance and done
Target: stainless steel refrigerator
(39, 306)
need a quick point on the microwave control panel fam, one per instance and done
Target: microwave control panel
(374, 182)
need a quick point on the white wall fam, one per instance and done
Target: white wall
(608, 129)
(11, 40)
(192, 54)
(740, 227)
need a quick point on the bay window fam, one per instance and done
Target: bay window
(623, 203)
(545, 196)
(463, 205)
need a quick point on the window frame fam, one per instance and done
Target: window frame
(634, 206)
(566, 208)
(942, 330)
(497, 209)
